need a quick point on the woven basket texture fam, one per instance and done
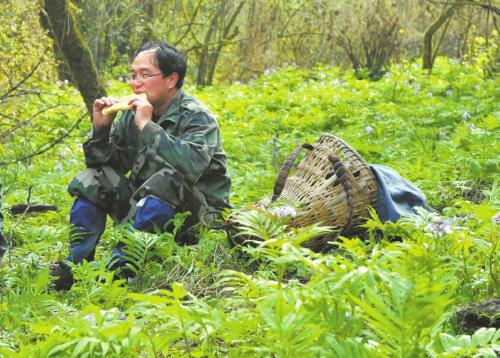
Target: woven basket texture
(324, 201)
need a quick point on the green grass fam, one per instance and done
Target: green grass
(367, 298)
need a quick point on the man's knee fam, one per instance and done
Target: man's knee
(105, 188)
(152, 214)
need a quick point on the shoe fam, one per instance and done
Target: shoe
(63, 277)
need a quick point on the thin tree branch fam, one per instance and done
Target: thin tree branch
(33, 70)
(42, 149)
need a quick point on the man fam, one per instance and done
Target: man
(169, 143)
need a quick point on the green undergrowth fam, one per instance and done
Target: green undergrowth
(392, 294)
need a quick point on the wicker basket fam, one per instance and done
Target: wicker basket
(332, 186)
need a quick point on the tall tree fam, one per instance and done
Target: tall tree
(69, 40)
(428, 53)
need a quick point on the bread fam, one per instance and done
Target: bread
(122, 104)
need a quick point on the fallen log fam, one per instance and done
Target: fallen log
(30, 208)
(480, 314)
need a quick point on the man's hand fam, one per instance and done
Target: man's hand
(143, 111)
(99, 119)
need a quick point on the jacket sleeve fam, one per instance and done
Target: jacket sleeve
(190, 153)
(107, 146)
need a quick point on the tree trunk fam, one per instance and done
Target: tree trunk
(427, 51)
(69, 40)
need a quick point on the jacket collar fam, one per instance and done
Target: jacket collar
(173, 113)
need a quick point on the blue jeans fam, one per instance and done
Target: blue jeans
(89, 222)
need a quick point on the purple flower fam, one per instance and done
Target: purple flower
(285, 211)
(58, 168)
(440, 227)
(466, 115)
(448, 92)
(496, 218)
(429, 94)
(369, 130)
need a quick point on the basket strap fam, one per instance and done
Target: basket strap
(280, 182)
(343, 177)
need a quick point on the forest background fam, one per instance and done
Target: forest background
(411, 84)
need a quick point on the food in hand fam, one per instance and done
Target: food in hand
(122, 104)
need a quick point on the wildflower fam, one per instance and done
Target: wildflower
(496, 218)
(442, 135)
(284, 211)
(267, 72)
(440, 227)
(429, 94)
(471, 126)
(238, 83)
(377, 118)
(400, 67)
(58, 168)
(466, 115)
(120, 79)
(448, 92)
(30, 167)
(58, 83)
(285, 64)
(66, 82)
(369, 130)
(191, 88)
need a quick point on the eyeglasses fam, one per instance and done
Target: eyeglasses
(141, 77)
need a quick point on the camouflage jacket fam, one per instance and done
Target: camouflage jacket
(186, 138)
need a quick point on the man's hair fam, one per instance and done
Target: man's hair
(168, 59)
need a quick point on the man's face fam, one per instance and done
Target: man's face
(147, 78)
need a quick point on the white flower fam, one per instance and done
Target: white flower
(120, 79)
(66, 82)
(496, 218)
(369, 130)
(285, 211)
(429, 94)
(440, 227)
(466, 115)
(448, 92)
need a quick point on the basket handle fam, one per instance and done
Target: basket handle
(338, 168)
(280, 182)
